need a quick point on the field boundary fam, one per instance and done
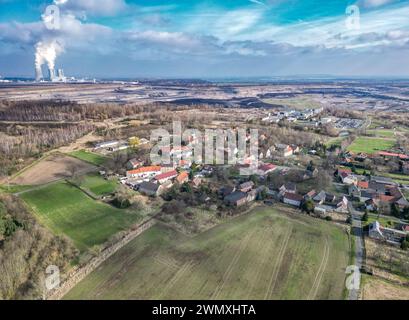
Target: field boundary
(79, 274)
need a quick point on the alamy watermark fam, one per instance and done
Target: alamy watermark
(353, 281)
(211, 147)
(52, 279)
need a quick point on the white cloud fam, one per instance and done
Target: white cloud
(374, 3)
(93, 7)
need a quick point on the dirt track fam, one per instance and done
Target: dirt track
(52, 168)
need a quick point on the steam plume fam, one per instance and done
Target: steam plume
(46, 52)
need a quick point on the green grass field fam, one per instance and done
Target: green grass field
(398, 178)
(98, 185)
(382, 133)
(262, 255)
(13, 188)
(335, 141)
(371, 145)
(67, 210)
(90, 157)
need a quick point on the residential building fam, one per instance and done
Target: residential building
(246, 186)
(251, 195)
(144, 172)
(134, 164)
(349, 179)
(150, 188)
(310, 195)
(236, 199)
(167, 167)
(196, 182)
(266, 168)
(225, 191)
(320, 197)
(106, 144)
(393, 155)
(163, 177)
(342, 206)
(293, 199)
(182, 177)
(354, 191)
(284, 150)
(383, 180)
(288, 188)
(378, 232)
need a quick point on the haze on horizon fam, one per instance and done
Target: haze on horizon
(208, 38)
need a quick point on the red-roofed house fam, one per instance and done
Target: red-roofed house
(394, 155)
(363, 184)
(163, 177)
(293, 199)
(182, 177)
(144, 172)
(266, 168)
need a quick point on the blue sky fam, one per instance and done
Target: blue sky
(207, 39)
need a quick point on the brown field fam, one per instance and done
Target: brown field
(52, 168)
(377, 289)
(391, 274)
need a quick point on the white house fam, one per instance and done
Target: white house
(144, 172)
(293, 199)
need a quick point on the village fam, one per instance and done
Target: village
(352, 187)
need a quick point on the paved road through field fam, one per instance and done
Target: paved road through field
(357, 234)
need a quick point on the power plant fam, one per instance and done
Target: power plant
(46, 54)
(52, 75)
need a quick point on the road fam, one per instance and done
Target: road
(357, 234)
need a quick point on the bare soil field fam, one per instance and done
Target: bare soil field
(52, 168)
(377, 289)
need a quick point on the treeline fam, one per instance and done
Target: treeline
(32, 111)
(63, 111)
(21, 142)
(26, 250)
(25, 141)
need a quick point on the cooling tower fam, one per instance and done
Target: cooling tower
(51, 73)
(39, 73)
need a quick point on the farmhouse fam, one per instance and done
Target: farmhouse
(150, 188)
(236, 199)
(144, 172)
(163, 177)
(293, 199)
